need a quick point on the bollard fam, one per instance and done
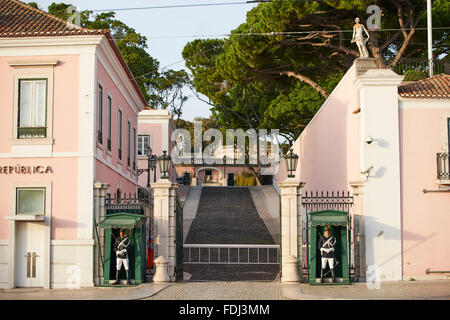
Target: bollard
(290, 270)
(161, 274)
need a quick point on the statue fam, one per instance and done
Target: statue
(358, 37)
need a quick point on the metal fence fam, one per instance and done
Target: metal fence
(317, 201)
(419, 66)
(231, 254)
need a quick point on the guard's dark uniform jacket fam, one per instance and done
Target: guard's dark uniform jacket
(328, 245)
(122, 243)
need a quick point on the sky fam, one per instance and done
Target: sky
(168, 30)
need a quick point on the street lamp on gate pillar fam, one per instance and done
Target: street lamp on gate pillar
(291, 163)
(164, 165)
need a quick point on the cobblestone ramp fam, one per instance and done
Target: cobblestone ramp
(227, 216)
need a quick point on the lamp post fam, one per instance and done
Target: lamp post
(151, 165)
(164, 165)
(291, 163)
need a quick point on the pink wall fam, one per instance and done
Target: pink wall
(328, 148)
(104, 173)
(425, 217)
(155, 132)
(65, 102)
(65, 124)
(64, 197)
(114, 179)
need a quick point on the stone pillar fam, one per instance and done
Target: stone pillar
(99, 214)
(97, 262)
(291, 226)
(165, 222)
(380, 161)
(359, 238)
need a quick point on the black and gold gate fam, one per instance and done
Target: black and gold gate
(179, 241)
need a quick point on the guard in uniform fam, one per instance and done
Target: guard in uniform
(326, 246)
(121, 249)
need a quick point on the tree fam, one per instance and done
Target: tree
(276, 69)
(162, 90)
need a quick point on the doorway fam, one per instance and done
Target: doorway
(30, 238)
(230, 179)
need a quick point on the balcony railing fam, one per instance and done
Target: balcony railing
(218, 162)
(31, 132)
(443, 168)
(417, 68)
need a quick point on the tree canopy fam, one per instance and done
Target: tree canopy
(276, 69)
(162, 89)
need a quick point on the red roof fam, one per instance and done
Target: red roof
(18, 19)
(434, 87)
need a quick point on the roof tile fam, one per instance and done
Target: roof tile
(18, 19)
(434, 87)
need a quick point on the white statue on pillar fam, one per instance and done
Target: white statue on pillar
(358, 37)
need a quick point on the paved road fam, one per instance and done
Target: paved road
(225, 272)
(221, 291)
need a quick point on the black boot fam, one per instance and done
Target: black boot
(128, 278)
(332, 275)
(321, 275)
(117, 278)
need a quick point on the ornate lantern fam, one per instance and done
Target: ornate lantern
(291, 163)
(164, 165)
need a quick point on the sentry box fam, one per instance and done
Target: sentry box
(337, 223)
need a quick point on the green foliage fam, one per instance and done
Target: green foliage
(162, 90)
(33, 4)
(244, 179)
(415, 75)
(255, 80)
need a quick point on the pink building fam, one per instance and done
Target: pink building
(70, 107)
(155, 128)
(386, 142)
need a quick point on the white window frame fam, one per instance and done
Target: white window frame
(27, 72)
(143, 150)
(30, 188)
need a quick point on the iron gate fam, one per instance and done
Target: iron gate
(179, 240)
(319, 201)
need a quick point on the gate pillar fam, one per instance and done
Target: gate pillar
(99, 234)
(164, 195)
(291, 229)
(359, 232)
